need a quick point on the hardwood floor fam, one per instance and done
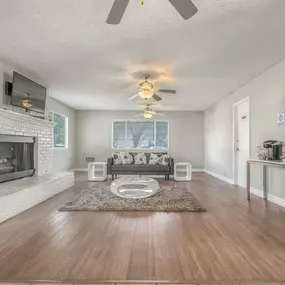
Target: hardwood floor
(232, 242)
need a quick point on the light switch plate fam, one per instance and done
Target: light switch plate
(281, 117)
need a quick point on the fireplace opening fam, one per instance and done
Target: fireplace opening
(16, 157)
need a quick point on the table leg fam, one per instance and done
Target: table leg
(248, 179)
(264, 178)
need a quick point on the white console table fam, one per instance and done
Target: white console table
(265, 164)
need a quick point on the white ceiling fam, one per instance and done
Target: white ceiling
(88, 64)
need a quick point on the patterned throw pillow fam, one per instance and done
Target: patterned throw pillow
(165, 159)
(155, 158)
(140, 158)
(117, 158)
(127, 158)
(159, 159)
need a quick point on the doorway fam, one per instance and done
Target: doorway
(241, 113)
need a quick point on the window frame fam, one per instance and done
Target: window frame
(66, 131)
(140, 149)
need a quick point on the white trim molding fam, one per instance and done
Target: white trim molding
(221, 177)
(271, 198)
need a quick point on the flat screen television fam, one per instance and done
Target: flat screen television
(28, 94)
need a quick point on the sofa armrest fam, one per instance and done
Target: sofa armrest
(110, 162)
(171, 164)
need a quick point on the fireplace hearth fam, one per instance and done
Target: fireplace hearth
(16, 157)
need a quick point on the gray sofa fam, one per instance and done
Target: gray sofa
(140, 169)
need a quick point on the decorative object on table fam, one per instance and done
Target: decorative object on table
(134, 187)
(182, 171)
(167, 199)
(281, 117)
(270, 150)
(97, 171)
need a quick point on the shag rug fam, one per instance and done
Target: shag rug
(167, 199)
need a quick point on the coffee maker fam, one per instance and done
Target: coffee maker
(272, 150)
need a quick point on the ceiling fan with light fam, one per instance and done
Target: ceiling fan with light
(185, 8)
(147, 90)
(148, 113)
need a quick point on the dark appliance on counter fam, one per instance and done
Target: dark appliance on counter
(273, 150)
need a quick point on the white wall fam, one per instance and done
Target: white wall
(63, 159)
(94, 134)
(267, 96)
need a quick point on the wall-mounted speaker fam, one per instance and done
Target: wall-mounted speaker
(8, 88)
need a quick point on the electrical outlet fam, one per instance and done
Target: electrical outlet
(90, 159)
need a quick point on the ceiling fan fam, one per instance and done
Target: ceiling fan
(148, 113)
(185, 8)
(147, 90)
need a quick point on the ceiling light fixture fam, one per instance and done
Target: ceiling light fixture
(146, 94)
(147, 114)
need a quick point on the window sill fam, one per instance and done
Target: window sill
(60, 148)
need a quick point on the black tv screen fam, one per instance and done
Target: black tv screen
(28, 94)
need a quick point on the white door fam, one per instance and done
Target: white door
(242, 141)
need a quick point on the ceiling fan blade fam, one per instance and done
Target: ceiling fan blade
(158, 114)
(134, 96)
(117, 12)
(185, 8)
(156, 97)
(167, 91)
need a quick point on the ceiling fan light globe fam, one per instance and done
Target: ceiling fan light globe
(147, 114)
(146, 94)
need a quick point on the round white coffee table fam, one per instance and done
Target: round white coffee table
(134, 187)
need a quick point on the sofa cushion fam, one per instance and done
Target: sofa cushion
(140, 158)
(155, 158)
(159, 159)
(117, 158)
(139, 168)
(165, 159)
(127, 158)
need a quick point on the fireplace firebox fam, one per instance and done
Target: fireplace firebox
(16, 157)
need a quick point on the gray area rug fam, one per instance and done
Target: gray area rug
(167, 199)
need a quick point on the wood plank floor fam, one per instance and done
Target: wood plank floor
(232, 242)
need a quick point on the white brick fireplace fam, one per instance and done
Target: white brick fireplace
(19, 195)
(12, 123)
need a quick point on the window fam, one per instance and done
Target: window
(140, 134)
(60, 130)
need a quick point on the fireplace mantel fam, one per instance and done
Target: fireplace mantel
(20, 117)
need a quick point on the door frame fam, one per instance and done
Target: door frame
(235, 105)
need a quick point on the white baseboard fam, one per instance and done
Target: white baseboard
(198, 170)
(271, 198)
(221, 177)
(79, 169)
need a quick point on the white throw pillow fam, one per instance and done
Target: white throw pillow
(140, 158)
(127, 158)
(164, 160)
(155, 158)
(117, 158)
